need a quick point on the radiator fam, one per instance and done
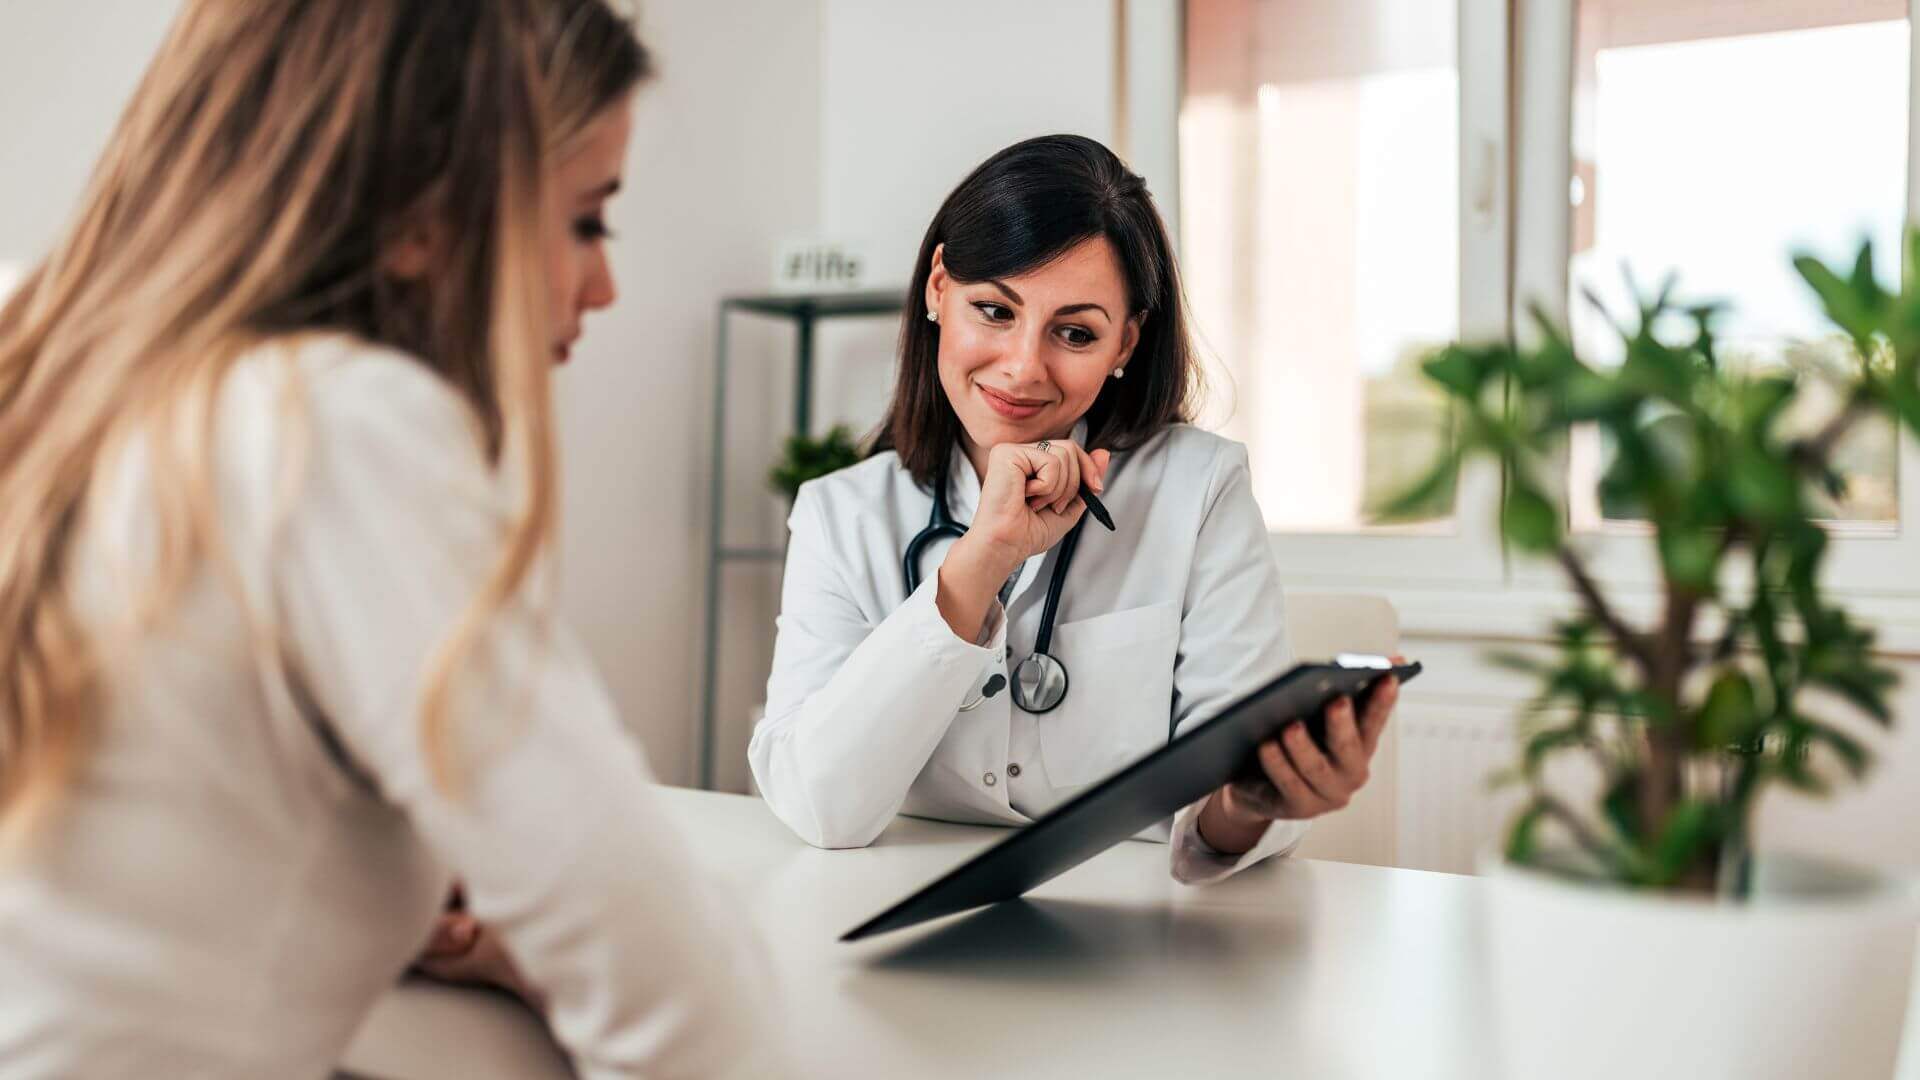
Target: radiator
(1447, 813)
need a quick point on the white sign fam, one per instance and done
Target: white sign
(819, 266)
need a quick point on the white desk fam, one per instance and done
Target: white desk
(1293, 969)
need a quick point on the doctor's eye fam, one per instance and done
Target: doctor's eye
(1078, 337)
(996, 313)
(591, 229)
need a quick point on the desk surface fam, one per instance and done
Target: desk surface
(1294, 968)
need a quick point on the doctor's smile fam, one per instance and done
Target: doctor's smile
(1010, 406)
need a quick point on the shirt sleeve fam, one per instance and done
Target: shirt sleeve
(556, 831)
(1232, 640)
(854, 708)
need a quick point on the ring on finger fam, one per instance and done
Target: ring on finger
(1042, 445)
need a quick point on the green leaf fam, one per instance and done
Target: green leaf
(1852, 753)
(1586, 394)
(1690, 556)
(1865, 288)
(1462, 371)
(1910, 271)
(1417, 502)
(1801, 779)
(1864, 686)
(1792, 764)
(1760, 402)
(1703, 316)
(1806, 546)
(1549, 328)
(1657, 370)
(1504, 778)
(1730, 713)
(1906, 405)
(1762, 485)
(1524, 663)
(806, 459)
(1546, 742)
(1843, 305)
(1689, 831)
(1522, 843)
(1619, 807)
(1529, 520)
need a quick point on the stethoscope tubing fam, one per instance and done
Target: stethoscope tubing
(941, 525)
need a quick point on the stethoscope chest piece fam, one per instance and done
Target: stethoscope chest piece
(1039, 683)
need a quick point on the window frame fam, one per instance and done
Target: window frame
(1465, 549)
(1863, 558)
(1516, 71)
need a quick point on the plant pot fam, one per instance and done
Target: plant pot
(1808, 978)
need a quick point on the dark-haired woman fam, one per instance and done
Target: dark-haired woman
(1049, 348)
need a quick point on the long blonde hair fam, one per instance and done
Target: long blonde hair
(271, 154)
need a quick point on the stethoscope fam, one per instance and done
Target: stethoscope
(1040, 682)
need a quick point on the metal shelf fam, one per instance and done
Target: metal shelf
(803, 310)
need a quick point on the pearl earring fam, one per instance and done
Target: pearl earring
(1119, 373)
(932, 315)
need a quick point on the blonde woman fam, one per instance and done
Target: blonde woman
(276, 487)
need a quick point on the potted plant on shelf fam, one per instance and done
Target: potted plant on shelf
(1632, 928)
(806, 458)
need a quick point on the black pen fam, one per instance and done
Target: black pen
(1093, 507)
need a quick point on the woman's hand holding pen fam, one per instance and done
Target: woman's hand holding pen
(1029, 500)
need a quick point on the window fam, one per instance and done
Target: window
(1360, 179)
(1320, 182)
(1715, 137)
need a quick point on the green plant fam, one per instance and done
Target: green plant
(806, 458)
(1684, 720)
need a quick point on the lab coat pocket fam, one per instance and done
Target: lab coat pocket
(1119, 693)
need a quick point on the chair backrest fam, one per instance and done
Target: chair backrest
(1319, 626)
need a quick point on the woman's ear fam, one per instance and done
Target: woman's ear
(937, 280)
(412, 254)
(1129, 338)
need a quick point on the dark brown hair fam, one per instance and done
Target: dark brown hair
(1019, 210)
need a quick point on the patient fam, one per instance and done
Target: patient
(276, 495)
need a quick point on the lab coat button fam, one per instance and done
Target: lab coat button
(1013, 769)
(989, 780)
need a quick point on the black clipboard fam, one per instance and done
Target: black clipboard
(1144, 792)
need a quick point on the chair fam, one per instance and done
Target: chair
(1319, 627)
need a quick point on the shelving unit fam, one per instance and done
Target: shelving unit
(803, 311)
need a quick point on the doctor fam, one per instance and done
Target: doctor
(956, 640)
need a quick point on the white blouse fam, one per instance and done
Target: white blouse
(1161, 625)
(253, 851)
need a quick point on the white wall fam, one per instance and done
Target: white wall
(725, 159)
(913, 95)
(63, 81)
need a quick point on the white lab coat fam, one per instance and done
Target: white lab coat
(1161, 624)
(254, 847)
